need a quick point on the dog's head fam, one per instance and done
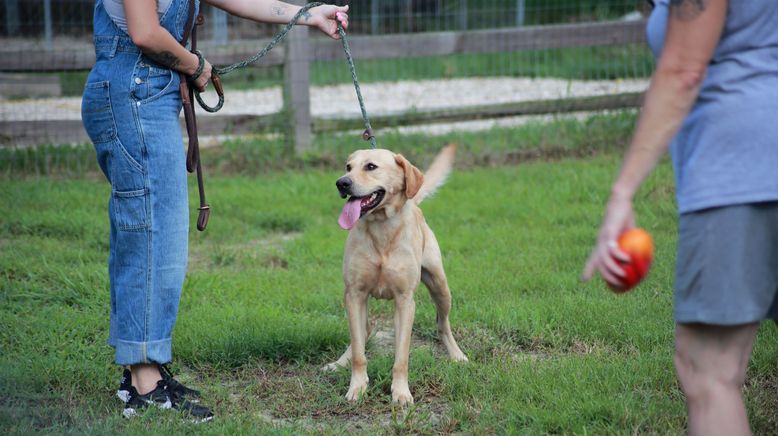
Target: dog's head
(376, 181)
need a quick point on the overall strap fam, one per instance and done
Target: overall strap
(187, 99)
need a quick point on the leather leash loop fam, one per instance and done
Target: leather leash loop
(217, 84)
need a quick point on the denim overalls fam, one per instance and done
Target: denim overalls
(130, 110)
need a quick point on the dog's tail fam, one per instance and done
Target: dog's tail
(437, 173)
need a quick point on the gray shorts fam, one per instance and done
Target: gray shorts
(727, 266)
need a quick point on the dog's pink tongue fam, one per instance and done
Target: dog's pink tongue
(350, 213)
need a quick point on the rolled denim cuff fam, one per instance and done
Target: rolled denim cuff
(133, 353)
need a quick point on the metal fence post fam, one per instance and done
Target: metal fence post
(374, 17)
(12, 17)
(219, 18)
(406, 19)
(47, 28)
(463, 14)
(297, 100)
(520, 12)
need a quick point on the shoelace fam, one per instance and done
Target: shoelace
(175, 386)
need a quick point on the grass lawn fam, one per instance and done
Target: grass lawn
(262, 309)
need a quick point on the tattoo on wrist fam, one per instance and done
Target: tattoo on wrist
(166, 59)
(307, 16)
(278, 11)
(686, 10)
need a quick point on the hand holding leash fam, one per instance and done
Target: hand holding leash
(199, 78)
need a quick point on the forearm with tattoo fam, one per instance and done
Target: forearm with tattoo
(166, 59)
(279, 11)
(282, 10)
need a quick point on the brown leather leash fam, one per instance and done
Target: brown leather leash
(187, 97)
(189, 94)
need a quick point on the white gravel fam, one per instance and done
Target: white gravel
(380, 98)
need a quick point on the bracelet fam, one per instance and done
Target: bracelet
(200, 65)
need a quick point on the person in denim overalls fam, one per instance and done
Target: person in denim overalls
(130, 110)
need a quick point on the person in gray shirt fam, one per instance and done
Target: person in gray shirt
(712, 100)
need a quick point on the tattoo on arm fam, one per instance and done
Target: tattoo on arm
(278, 11)
(306, 16)
(166, 59)
(686, 10)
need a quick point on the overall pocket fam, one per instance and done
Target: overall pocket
(129, 210)
(96, 112)
(150, 82)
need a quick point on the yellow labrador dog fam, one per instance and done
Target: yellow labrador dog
(389, 249)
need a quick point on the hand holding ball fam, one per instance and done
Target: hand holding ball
(639, 246)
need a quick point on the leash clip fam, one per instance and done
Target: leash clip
(368, 134)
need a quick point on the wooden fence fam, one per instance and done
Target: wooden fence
(300, 50)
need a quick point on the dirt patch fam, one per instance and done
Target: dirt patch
(300, 396)
(427, 418)
(381, 341)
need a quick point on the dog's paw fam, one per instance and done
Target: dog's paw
(402, 398)
(355, 390)
(402, 395)
(459, 357)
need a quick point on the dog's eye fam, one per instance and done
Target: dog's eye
(370, 167)
(348, 168)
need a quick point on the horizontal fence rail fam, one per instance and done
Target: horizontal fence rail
(71, 131)
(372, 47)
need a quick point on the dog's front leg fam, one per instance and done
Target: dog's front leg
(356, 308)
(405, 310)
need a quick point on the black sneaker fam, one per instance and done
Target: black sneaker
(124, 386)
(176, 388)
(161, 397)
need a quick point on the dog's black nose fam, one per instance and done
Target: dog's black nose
(344, 185)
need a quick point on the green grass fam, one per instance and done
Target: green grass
(564, 136)
(262, 306)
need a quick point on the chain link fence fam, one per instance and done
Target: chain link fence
(415, 56)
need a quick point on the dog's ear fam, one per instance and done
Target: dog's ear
(413, 177)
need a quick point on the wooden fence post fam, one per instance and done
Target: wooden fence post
(297, 100)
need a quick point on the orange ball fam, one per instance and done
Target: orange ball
(639, 246)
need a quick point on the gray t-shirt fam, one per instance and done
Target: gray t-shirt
(726, 152)
(115, 10)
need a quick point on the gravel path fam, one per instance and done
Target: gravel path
(380, 98)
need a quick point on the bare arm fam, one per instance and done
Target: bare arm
(156, 42)
(693, 32)
(273, 11)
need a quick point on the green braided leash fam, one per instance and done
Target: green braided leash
(367, 135)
